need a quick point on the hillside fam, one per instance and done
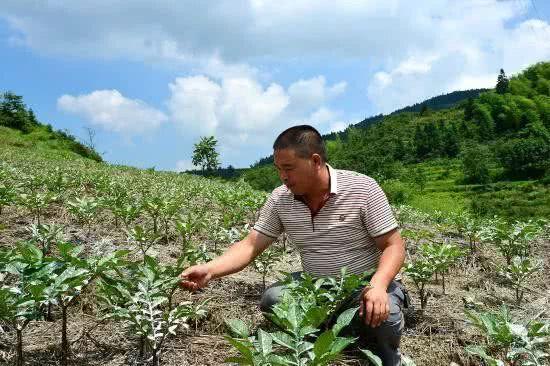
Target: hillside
(20, 129)
(489, 154)
(435, 103)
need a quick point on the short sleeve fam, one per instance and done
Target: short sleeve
(376, 213)
(269, 222)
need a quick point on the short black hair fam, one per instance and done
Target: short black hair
(303, 139)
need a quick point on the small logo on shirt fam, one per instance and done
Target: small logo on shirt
(342, 217)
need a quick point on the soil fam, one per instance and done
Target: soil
(435, 336)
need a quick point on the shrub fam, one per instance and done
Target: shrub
(525, 158)
(475, 163)
(397, 192)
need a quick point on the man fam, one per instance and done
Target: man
(336, 219)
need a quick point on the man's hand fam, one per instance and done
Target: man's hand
(374, 307)
(195, 277)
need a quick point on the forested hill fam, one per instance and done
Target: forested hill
(435, 103)
(19, 128)
(443, 101)
(500, 136)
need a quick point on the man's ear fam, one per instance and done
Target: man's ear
(316, 158)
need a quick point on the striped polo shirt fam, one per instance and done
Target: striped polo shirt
(341, 233)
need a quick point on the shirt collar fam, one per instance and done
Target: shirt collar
(332, 182)
(333, 179)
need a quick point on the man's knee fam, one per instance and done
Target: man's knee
(272, 295)
(270, 298)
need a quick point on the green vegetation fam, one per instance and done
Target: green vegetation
(305, 309)
(510, 342)
(205, 154)
(20, 128)
(142, 299)
(482, 155)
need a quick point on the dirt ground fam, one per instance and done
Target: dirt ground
(436, 336)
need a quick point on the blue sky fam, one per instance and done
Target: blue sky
(152, 77)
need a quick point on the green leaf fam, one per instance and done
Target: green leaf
(407, 361)
(243, 347)
(372, 357)
(238, 328)
(65, 249)
(238, 360)
(265, 342)
(291, 316)
(340, 344)
(315, 316)
(283, 339)
(323, 343)
(344, 320)
(480, 352)
(307, 330)
(277, 360)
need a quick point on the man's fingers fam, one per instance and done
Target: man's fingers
(185, 274)
(375, 315)
(361, 305)
(387, 313)
(368, 309)
(187, 284)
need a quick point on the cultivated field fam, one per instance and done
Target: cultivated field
(89, 257)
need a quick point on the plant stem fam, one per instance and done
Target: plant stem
(141, 347)
(19, 347)
(64, 341)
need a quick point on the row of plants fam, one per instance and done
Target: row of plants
(139, 293)
(506, 340)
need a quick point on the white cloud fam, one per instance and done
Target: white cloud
(323, 115)
(183, 165)
(338, 126)
(217, 68)
(306, 95)
(194, 102)
(469, 49)
(420, 51)
(113, 112)
(412, 53)
(244, 114)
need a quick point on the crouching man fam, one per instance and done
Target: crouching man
(336, 218)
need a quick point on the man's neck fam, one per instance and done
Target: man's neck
(321, 189)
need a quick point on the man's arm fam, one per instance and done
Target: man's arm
(237, 257)
(375, 305)
(240, 254)
(393, 256)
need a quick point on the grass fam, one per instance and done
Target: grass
(41, 142)
(445, 191)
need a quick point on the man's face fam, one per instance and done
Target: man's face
(298, 174)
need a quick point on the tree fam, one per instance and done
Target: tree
(469, 109)
(424, 110)
(485, 122)
(451, 143)
(475, 164)
(419, 178)
(502, 83)
(32, 118)
(12, 111)
(205, 153)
